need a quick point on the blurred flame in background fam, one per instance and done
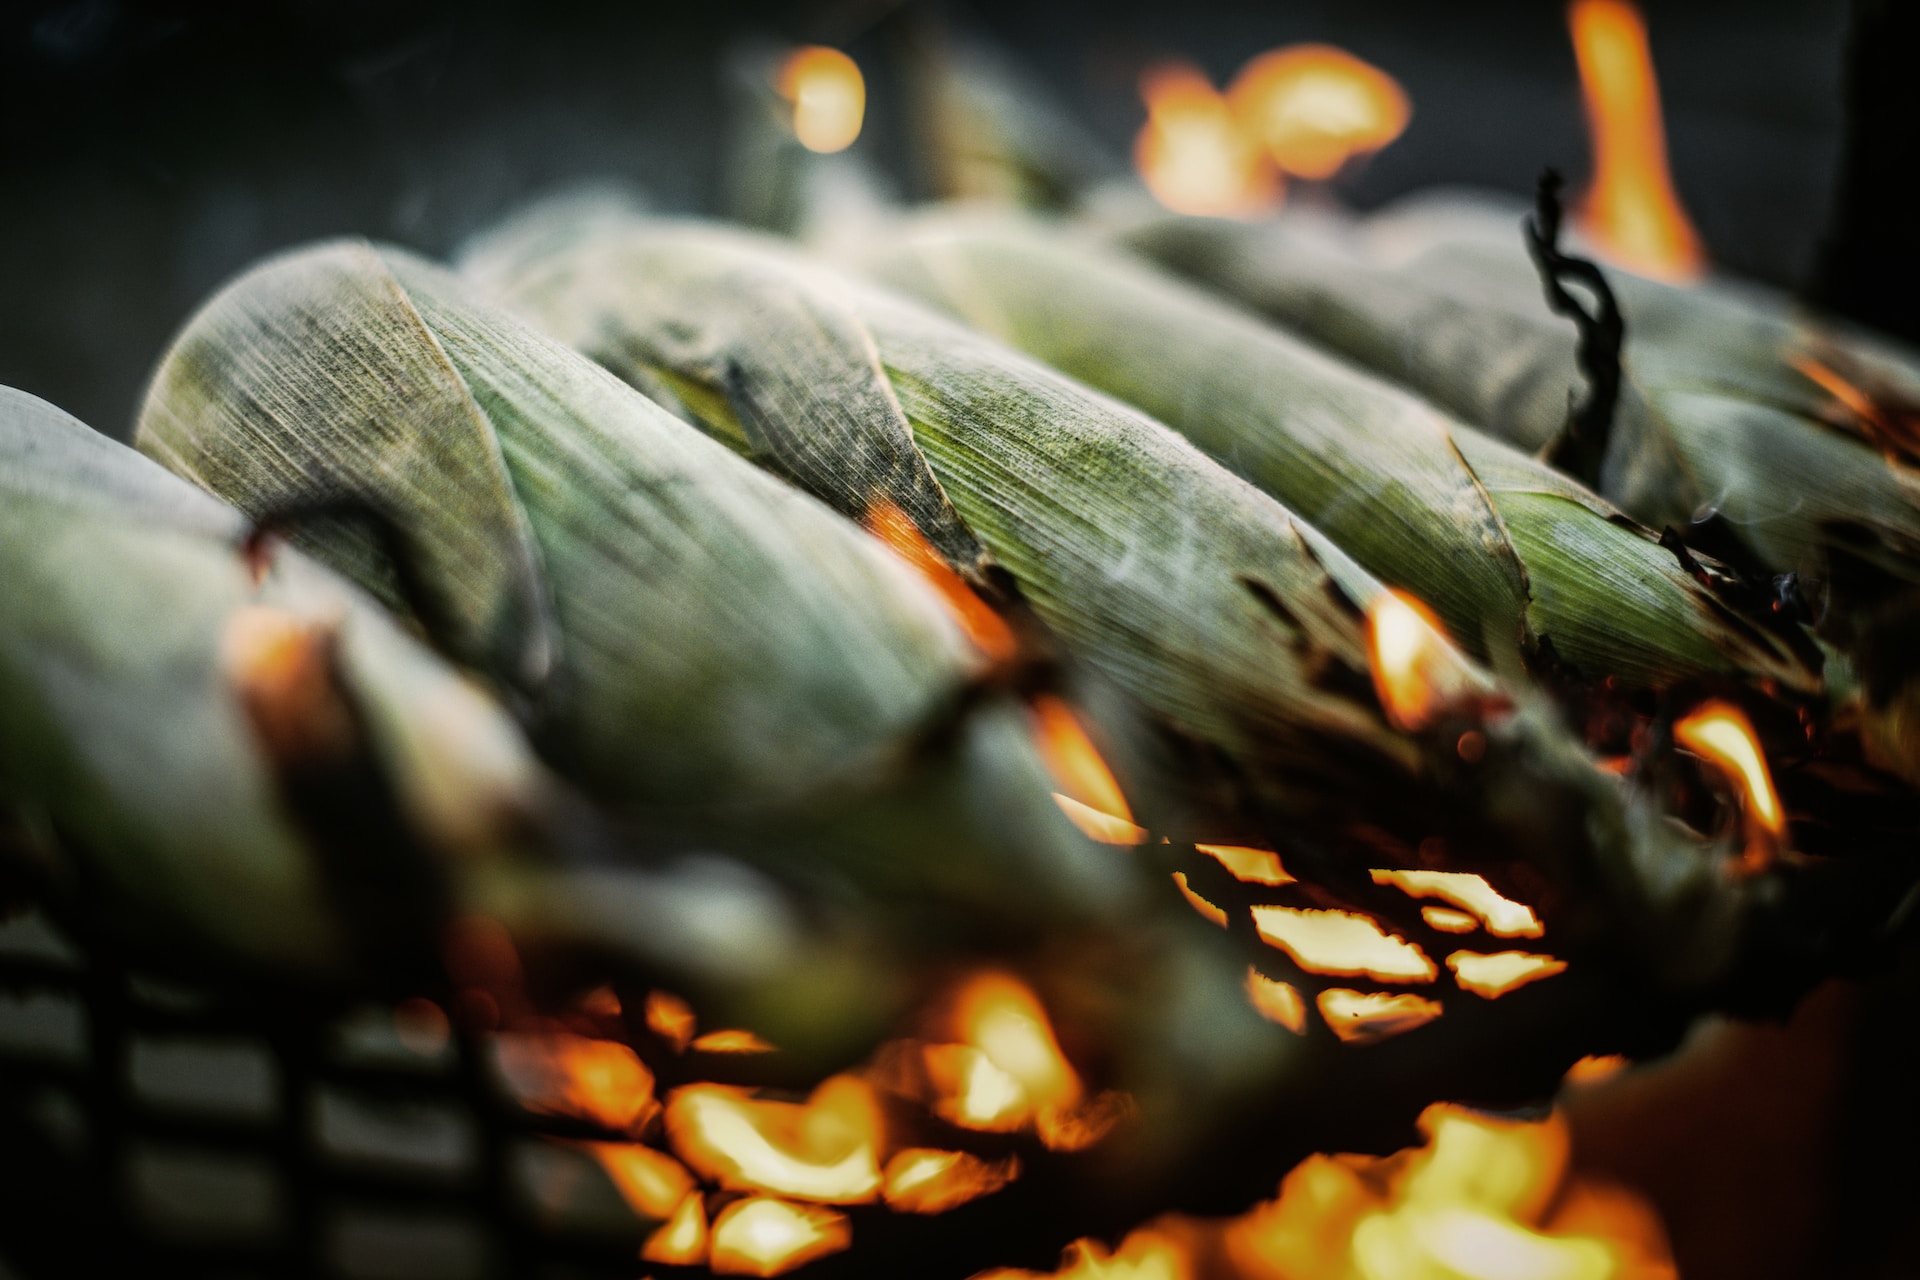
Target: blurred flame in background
(765, 1237)
(826, 1149)
(829, 97)
(1193, 153)
(1631, 212)
(1315, 107)
(1089, 794)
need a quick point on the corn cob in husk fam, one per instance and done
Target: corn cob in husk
(235, 754)
(1506, 550)
(692, 637)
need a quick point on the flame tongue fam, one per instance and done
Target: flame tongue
(1193, 154)
(826, 1149)
(1720, 733)
(1417, 672)
(1315, 107)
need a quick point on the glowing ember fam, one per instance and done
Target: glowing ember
(1198, 903)
(1417, 672)
(1484, 1198)
(280, 666)
(1594, 1068)
(682, 1241)
(652, 1182)
(670, 1018)
(1447, 920)
(1193, 154)
(1502, 916)
(1341, 942)
(761, 1237)
(1315, 107)
(1254, 866)
(1720, 733)
(1144, 1255)
(731, 1041)
(1361, 1017)
(1277, 1001)
(1089, 793)
(987, 629)
(1503, 971)
(825, 1149)
(922, 1180)
(1631, 211)
(829, 97)
(565, 1075)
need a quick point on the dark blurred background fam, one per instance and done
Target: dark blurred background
(148, 151)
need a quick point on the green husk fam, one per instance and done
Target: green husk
(728, 655)
(1506, 550)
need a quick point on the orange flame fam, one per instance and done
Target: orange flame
(1143, 1255)
(922, 1180)
(1193, 154)
(762, 1237)
(1206, 909)
(731, 1041)
(1448, 920)
(1253, 866)
(1502, 916)
(1088, 793)
(1417, 672)
(1483, 1198)
(1721, 734)
(987, 629)
(1631, 211)
(566, 1075)
(1594, 1068)
(1361, 1017)
(682, 1241)
(828, 94)
(652, 1182)
(1315, 107)
(1892, 427)
(1503, 971)
(1342, 942)
(825, 1149)
(1277, 1001)
(670, 1018)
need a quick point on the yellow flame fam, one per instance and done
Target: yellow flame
(1503, 971)
(1277, 1001)
(1342, 942)
(652, 1182)
(560, 1074)
(1315, 107)
(1502, 916)
(1721, 734)
(1143, 1255)
(731, 1040)
(825, 1149)
(1630, 211)
(1361, 1017)
(1254, 866)
(1193, 154)
(1089, 794)
(828, 94)
(1449, 920)
(1594, 1068)
(1207, 909)
(682, 1240)
(764, 1237)
(922, 1180)
(1417, 672)
(670, 1018)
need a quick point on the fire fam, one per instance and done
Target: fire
(826, 1149)
(1485, 1197)
(1503, 971)
(670, 1018)
(1193, 154)
(1253, 866)
(1207, 909)
(1502, 916)
(1143, 1255)
(987, 629)
(922, 1180)
(652, 1182)
(828, 94)
(1594, 1068)
(1342, 942)
(1361, 1017)
(1631, 211)
(762, 1237)
(1893, 427)
(1417, 672)
(1277, 1001)
(1088, 793)
(280, 666)
(731, 1041)
(1721, 734)
(682, 1241)
(566, 1075)
(1315, 107)
(1448, 920)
